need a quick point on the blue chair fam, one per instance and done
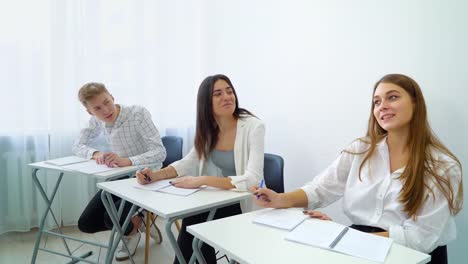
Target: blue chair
(273, 172)
(273, 166)
(173, 147)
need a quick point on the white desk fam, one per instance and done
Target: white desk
(247, 242)
(107, 175)
(171, 207)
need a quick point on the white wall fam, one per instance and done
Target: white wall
(307, 69)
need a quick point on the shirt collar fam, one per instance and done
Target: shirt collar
(120, 117)
(382, 147)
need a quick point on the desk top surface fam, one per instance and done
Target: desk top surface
(102, 175)
(253, 243)
(170, 205)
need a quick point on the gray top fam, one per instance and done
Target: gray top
(225, 161)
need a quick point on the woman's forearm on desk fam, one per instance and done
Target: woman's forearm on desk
(297, 198)
(218, 182)
(166, 173)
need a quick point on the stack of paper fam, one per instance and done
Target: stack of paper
(281, 218)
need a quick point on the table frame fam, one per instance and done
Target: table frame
(49, 200)
(115, 214)
(240, 244)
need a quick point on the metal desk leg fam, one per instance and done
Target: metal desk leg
(197, 243)
(115, 216)
(111, 249)
(44, 217)
(49, 204)
(173, 241)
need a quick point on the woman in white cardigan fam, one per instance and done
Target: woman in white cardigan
(228, 153)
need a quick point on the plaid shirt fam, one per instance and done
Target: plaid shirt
(133, 135)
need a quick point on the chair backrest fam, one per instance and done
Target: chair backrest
(273, 172)
(173, 147)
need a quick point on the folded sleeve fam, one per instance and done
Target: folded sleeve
(188, 165)
(81, 145)
(329, 185)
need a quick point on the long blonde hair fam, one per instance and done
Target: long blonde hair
(421, 143)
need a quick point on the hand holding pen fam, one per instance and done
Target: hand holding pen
(265, 197)
(259, 187)
(143, 175)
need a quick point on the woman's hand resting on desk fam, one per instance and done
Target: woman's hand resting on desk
(316, 214)
(265, 197)
(188, 182)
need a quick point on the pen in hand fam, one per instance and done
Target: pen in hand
(147, 177)
(261, 186)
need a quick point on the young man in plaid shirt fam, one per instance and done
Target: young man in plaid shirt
(133, 139)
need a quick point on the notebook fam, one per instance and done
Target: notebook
(286, 219)
(333, 236)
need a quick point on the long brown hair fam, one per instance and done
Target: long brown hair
(422, 165)
(206, 135)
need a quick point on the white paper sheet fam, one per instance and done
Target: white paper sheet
(66, 160)
(179, 191)
(281, 218)
(154, 186)
(88, 167)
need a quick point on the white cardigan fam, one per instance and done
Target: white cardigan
(248, 158)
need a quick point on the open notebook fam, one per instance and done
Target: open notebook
(286, 219)
(337, 237)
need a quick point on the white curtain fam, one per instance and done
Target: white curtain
(146, 52)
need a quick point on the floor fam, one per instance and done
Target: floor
(17, 247)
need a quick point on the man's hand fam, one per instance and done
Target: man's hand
(111, 159)
(98, 157)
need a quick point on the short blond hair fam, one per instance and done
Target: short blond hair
(91, 90)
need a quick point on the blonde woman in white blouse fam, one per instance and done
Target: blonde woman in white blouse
(399, 181)
(228, 153)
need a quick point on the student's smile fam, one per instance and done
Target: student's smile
(386, 117)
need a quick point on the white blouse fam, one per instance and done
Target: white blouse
(374, 200)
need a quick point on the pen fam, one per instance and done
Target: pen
(261, 186)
